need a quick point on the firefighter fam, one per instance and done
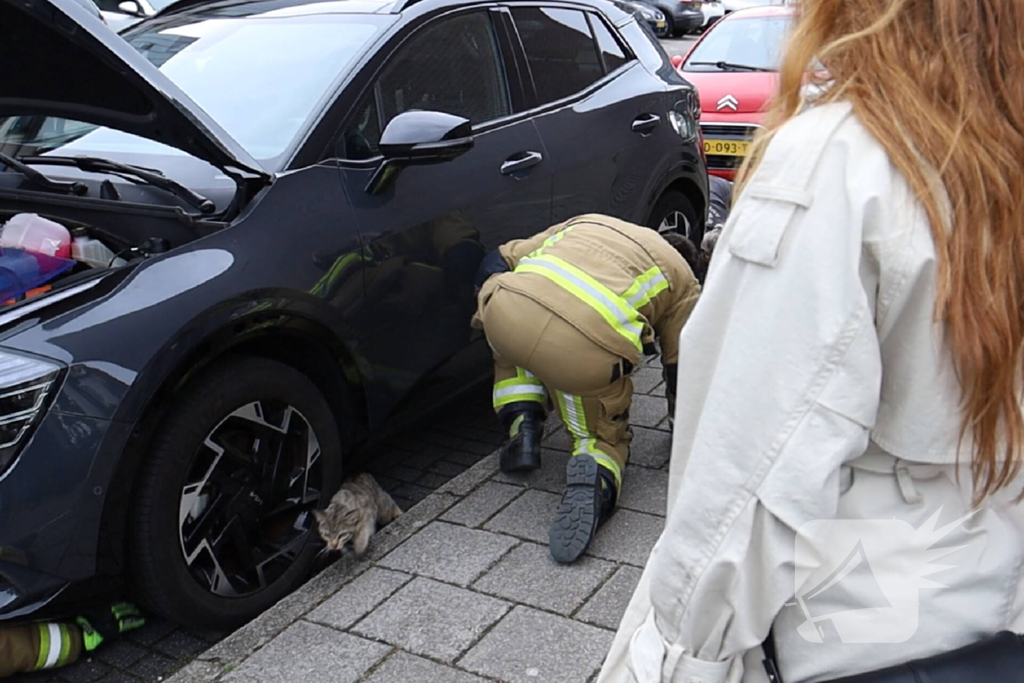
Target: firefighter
(568, 314)
(32, 647)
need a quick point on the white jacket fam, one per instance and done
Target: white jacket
(813, 386)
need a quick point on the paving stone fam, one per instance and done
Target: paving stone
(650, 447)
(121, 653)
(404, 474)
(154, 630)
(627, 537)
(199, 671)
(550, 476)
(465, 483)
(426, 457)
(528, 575)
(431, 480)
(387, 483)
(311, 654)
(478, 447)
(447, 469)
(528, 516)
(463, 458)
(559, 440)
(658, 390)
(645, 379)
(117, 677)
(529, 646)
(481, 505)
(648, 411)
(645, 490)
(609, 604)
(154, 666)
(412, 492)
(433, 619)
(181, 645)
(449, 552)
(357, 598)
(84, 671)
(403, 667)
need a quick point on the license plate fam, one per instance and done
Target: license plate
(726, 148)
(661, 24)
(697, 4)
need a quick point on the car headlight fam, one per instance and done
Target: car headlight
(658, 16)
(25, 384)
(682, 124)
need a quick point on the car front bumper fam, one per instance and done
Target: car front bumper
(687, 19)
(51, 506)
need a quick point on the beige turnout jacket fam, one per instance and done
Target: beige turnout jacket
(814, 390)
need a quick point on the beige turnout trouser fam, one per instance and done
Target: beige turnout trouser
(537, 354)
(38, 646)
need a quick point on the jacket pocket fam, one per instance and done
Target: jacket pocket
(761, 221)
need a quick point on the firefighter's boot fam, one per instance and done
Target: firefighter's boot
(588, 501)
(521, 453)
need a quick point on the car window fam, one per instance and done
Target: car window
(363, 132)
(559, 49)
(611, 51)
(452, 67)
(755, 42)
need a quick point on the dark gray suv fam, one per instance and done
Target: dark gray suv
(298, 195)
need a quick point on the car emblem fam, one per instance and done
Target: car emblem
(729, 102)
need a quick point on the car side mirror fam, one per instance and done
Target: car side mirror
(417, 138)
(131, 7)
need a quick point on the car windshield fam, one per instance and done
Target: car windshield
(755, 43)
(259, 77)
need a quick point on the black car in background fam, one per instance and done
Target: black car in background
(682, 16)
(298, 194)
(652, 16)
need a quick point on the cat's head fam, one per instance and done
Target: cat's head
(337, 525)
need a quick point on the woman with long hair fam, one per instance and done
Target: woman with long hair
(848, 440)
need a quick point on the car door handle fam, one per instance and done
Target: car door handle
(645, 123)
(521, 162)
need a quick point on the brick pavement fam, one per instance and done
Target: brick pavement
(409, 467)
(462, 589)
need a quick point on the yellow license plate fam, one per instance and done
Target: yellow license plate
(661, 24)
(696, 5)
(726, 148)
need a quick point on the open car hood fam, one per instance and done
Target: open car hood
(61, 61)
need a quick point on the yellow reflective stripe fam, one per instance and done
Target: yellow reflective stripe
(646, 286)
(65, 645)
(523, 387)
(622, 317)
(44, 645)
(603, 459)
(575, 419)
(549, 241)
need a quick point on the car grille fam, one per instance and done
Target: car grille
(713, 130)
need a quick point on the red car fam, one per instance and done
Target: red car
(735, 69)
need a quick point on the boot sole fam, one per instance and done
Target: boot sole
(579, 513)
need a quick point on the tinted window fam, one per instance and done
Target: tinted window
(756, 42)
(451, 66)
(363, 132)
(612, 53)
(559, 49)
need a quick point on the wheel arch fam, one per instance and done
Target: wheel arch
(296, 341)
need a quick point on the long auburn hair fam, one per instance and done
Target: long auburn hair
(940, 84)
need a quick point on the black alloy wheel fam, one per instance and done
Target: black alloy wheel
(674, 213)
(224, 525)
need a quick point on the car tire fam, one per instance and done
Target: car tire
(673, 212)
(280, 455)
(670, 27)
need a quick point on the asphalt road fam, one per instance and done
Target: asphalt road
(678, 46)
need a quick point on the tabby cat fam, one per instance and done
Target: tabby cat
(354, 514)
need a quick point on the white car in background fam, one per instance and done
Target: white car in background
(713, 11)
(734, 5)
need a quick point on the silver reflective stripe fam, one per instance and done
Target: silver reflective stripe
(646, 287)
(610, 305)
(520, 389)
(55, 642)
